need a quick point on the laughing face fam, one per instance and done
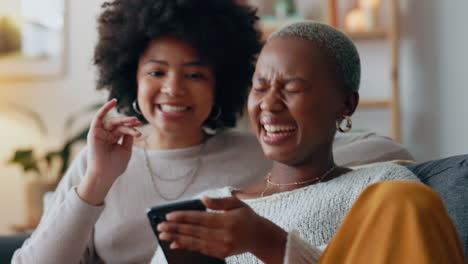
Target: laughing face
(295, 100)
(175, 87)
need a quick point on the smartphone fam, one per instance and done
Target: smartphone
(157, 215)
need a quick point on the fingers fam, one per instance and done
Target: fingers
(189, 230)
(196, 217)
(102, 112)
(129, 121)
(225, 204)
(126, 131)
(127, 142)
(112, 129)
(115, 135)
(194, 244)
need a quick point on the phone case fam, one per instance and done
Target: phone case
(157, 215)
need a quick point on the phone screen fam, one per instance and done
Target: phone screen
(157, 215)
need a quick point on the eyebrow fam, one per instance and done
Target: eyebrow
(292, 79)
(295, 79)
(192, 63)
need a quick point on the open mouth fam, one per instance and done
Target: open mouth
(173, 109)
(274, 134)
(278, 130)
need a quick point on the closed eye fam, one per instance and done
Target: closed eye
(293, 88)
(260, 88)
(260, 85)
(294, 85)
(195, 76)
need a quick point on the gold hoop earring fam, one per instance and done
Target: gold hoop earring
(136, 108)
(349, 124)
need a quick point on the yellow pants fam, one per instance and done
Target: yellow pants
(396, 222)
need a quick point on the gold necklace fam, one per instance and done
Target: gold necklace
(152, 174)
(315, 180)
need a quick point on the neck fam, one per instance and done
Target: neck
(166, 141)
(315, 168)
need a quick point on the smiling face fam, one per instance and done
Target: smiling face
(175, 87)
(295, 100)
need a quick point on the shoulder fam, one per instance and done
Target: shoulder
(364, 148)
(233, 141)
(387, 171)
(235, 157)
(235, 138)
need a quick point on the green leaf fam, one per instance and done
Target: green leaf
(51, 155)
(32, 166)
(21, 156)
(25, 158)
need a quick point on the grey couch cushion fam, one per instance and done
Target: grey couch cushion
(355, 149)
(449, 178)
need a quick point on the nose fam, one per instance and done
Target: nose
(272, 101)
(173, 86)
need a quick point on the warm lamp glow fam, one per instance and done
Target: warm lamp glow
(373, 4)
(354, 20)
(369, 10)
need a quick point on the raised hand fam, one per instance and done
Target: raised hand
(238, 229)
(110, 146)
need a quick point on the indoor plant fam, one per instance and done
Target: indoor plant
(46, 170)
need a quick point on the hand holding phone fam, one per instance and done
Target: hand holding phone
(157, 215)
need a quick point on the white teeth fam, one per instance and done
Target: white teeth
(278, 128)
(173, 109)
(276, 134)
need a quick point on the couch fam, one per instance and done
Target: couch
(8, 245)
(449, 178)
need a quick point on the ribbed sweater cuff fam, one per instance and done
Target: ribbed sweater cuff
(81, 205)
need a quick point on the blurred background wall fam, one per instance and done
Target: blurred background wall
(54, 100)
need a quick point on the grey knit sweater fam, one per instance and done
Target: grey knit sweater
(312, 214)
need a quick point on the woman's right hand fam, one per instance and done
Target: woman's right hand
(110, 144)
(238, 229)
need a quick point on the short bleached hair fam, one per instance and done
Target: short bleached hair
(340, 47)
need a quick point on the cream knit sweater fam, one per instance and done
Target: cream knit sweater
(311, 214)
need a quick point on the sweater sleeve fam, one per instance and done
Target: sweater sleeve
(391, 172)
(65, 232)
(300, 252)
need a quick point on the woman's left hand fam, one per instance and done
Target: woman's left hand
(238, 229)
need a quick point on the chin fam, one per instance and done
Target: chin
(173, 129)
(283, 156)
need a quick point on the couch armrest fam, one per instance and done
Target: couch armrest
(449, 178)
(9, 244)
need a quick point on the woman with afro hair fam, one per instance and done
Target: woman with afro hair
(183, 69)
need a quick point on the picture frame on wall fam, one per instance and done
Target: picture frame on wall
(32, 39)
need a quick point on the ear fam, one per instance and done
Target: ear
(350, 103)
